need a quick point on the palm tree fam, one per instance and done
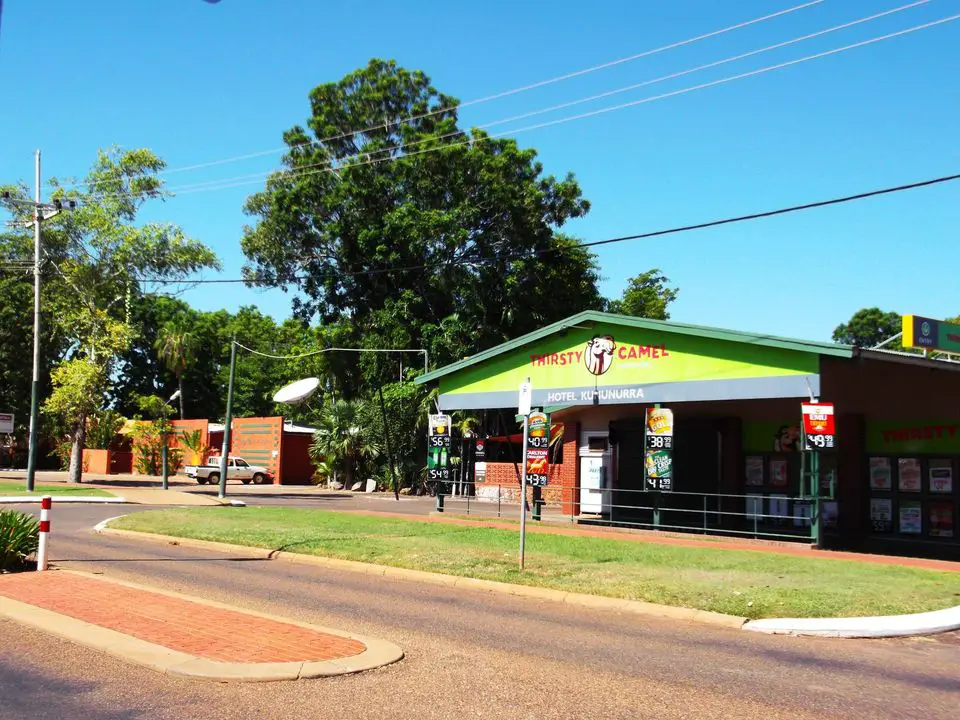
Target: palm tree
(342, 439)
(175, 348)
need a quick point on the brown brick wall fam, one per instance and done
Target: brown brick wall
(564, 481)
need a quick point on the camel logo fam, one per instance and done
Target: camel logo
(599, 354)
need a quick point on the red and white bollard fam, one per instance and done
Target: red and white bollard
(45, 504)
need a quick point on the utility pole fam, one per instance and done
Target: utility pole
(41, 212)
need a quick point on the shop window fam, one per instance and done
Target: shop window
(597, 443)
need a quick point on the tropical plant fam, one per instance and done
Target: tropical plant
(102, 429)
(175, 348)
(19, 537)
(344, 441)
(193, 441)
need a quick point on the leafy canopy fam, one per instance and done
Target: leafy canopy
(352, 220)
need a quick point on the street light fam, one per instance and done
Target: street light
(163, 434)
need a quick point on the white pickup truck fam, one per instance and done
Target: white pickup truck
(237, 469)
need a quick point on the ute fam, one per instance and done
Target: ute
(237, 469)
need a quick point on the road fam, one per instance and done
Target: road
(468, 654)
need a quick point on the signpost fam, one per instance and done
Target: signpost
(6, 423)
(537, 449)
(658, 451)
(928, 334)
(819, 428)
(819, 434)
(438, 454)
(523, 408)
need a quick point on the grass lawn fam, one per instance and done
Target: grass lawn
(751, 584)
(8, 488)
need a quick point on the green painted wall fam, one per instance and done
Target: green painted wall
(640, 357)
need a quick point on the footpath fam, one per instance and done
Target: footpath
(181, 635)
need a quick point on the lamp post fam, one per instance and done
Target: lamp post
(41, 212)
(163, 435)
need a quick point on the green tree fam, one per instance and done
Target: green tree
(103, 254)
(647, 295)
(868, 328)
(353, 210)
(345, 440)
(175, 347)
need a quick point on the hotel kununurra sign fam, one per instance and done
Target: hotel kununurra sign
(819, 427)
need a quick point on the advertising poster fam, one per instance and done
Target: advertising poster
(830, 513)
(438, 448)
(6, 423)
(911, 518)
(802, 514)
(881, 473)
(941, 519)
(910, 474)
(881, 515)
(779, 508)
(941, 476)
(538, 449)
(755, 507)
(658, 459)
(819, 428)
(778, 473)
(754, 471)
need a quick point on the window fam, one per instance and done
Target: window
(598, 443)
(242, 463)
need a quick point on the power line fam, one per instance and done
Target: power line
(620, 239)
(488, 98)
(303, 171)
(344, 162)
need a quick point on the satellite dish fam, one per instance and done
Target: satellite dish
(297, 392)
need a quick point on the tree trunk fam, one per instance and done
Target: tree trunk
(76, 451)
(180, 386)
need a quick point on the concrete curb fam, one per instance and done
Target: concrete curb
(172, 662)
(59, 499)
(578, 599)
(928, 623)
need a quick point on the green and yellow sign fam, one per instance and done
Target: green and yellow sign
(928, 334)
(610, 363)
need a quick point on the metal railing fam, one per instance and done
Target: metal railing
(769, 515)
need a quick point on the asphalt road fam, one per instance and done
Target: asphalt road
(469, 654)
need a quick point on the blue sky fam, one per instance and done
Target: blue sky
(198, 82)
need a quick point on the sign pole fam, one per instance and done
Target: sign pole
(523, 408)
(523, 495)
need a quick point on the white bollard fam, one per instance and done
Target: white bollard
(45, 503)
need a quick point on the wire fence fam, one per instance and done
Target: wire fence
(769, 515)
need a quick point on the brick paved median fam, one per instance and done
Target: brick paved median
(195, 629)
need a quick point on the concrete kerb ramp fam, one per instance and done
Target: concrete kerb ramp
(928, 623)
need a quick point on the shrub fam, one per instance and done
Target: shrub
(19, 537)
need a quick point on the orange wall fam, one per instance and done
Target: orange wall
(258, 441)
(296, 465)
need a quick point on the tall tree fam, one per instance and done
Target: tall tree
(103, 254)
(175, 348)
(416, 232)
(647, 295)
(868, 328)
